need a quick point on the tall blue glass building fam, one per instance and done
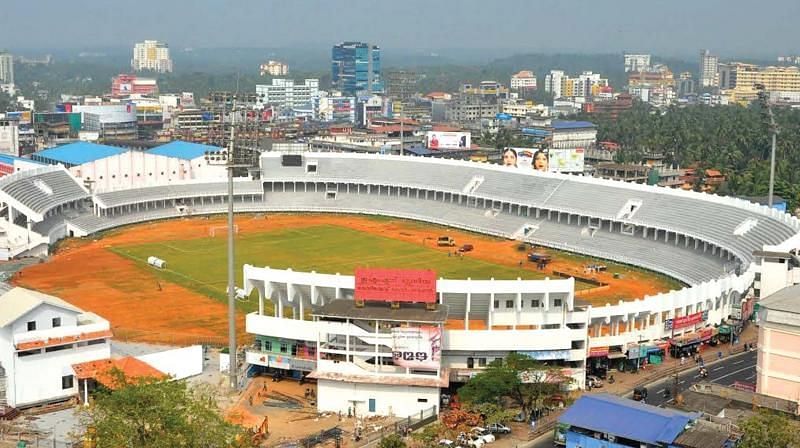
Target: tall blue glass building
(356, 68)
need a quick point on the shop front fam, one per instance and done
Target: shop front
(691, 343)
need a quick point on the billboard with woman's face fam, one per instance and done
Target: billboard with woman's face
(551, 160)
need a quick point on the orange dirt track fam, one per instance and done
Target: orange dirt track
(141, 308)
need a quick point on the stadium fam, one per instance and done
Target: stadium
(315, 326)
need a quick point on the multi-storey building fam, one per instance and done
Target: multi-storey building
(553, 82)
(778, 369)
(286, 95)
(151, 55)
(41, 337)
(745, 77)
(523, 80)
(273, 68)
(401, 84)
(110, 121)
(466, 110)
(636, 62)
(335, 108)
(685, 84)
(709, 65)
(356, 67)
(125, 85)
(490, 91)
(6, 67)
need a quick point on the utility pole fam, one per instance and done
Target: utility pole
(402, 135)
(763, 98)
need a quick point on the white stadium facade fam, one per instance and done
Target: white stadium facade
(709, 243)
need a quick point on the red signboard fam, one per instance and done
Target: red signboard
(598, 352)
(687, 321)
(6, 169)
(746, 387)
(395, 285)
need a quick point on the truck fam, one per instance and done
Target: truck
(445, 241)
(539, 258)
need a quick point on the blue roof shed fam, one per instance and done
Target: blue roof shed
(76, 153)
(565, 124)
(183, 150)
(628, 419)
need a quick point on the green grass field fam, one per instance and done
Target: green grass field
(199, 264)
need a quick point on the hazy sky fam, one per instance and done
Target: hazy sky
(669, 27)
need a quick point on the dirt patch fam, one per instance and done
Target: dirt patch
(142, 308)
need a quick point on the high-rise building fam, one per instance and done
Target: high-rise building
(524, 80)
(285, 94)
(637, 62)
(401, 84)
(6, 67)
(709, 65)
(273, 68)
(553, 81)
(743, 78)
(151, 55)
(685, 84)
(356, 68)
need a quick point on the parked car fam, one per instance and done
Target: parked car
(499, 428)
(593, 382)
(466, 248)
(484, 434)
(640, 393)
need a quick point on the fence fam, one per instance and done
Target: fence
(11, 435)
(400, 427)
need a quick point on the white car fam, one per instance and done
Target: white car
(483, 434)
(446, 442)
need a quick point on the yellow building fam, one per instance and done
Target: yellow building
(744, 77)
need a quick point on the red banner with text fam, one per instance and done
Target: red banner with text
(395, 285)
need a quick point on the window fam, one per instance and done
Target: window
(481, 362)
(32, 325)
(534, 304)
(556, 302)
(470, 363)
(29, 353)
(56, 322)
(267, 346)
(509, 304)
(294, 349)
(284, 347)
(58, 348)
(422, 400)
(497, 304)
(67, 381)
(97, 342)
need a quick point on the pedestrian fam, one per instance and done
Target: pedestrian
(683, 359)
(719, 354)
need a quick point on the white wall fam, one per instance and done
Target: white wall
(400, 401)
(38, 377)
(43, 316)
(178, 363)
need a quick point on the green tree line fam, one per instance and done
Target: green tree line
(732, 139)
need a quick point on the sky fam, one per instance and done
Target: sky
(666, 27)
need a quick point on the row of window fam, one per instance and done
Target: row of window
(55, 322)
(535, 303)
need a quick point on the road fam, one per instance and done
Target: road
(726, 372)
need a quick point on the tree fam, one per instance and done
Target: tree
(527, 382)
(392, 441)
(768, 429)
(151, 412)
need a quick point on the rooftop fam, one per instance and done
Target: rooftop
(19, 301)
(561, 124)
(382, 311)
(787, 299)
(102, 370)
(183, 150)
(642, 423)
(78, 153)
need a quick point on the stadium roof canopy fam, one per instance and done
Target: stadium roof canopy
(628, 419)
(183, 150)
(76, 153)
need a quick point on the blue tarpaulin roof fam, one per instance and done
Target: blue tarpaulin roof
(77, 153)
(621, 417)
(9, 159)
(183, 150)
(560, 124)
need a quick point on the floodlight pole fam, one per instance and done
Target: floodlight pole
(772, 162)
(232, 352)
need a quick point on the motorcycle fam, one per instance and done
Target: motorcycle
(703, 372)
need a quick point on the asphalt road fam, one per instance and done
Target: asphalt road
(726, 372)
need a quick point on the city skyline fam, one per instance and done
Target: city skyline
(533, 26)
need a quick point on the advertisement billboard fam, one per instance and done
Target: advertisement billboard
(395, 285)
(448, 140)
(566, 160)
(551, 160)
(685, 321)
(417, 347)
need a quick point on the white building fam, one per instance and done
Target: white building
(6, 68)
(151, 55)
(41, 337)
(525, 79)
(112, 121)
(273, 68)
(335, 108)
(637, 62)
(709, 65)
(552, 82)
(9, 137)
(778, 267)
(285, 94)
